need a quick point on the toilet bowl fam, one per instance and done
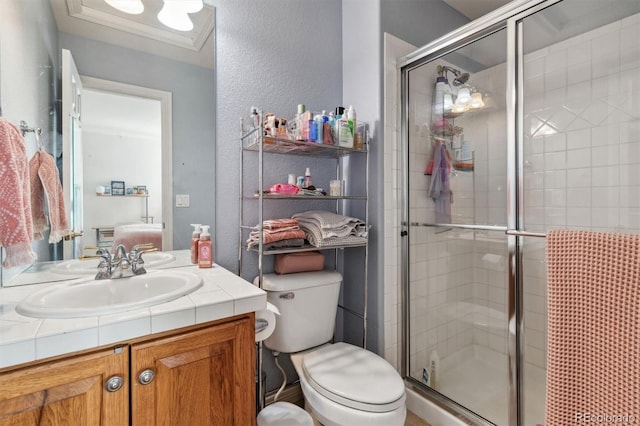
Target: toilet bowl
(347, 385)
(343, 385)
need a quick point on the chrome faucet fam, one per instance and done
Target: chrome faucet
(121, 264)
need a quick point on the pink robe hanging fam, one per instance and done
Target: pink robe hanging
(45, 183)
(16, 226)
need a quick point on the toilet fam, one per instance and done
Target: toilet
(342, 384)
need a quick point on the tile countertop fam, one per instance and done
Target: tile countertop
(24, 339)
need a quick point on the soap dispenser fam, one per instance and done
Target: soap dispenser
(205, 248)
(195, 238)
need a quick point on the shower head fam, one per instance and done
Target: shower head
(461, 79)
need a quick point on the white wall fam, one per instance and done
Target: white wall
(121, 141)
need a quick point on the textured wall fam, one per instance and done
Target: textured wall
(273, 56)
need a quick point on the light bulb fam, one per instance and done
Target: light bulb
(458, 108)
(173, 16)
(476, 100)
(132, 7)
(191, 6)
(464, 97)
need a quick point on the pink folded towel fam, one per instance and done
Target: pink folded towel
(16, 226)
(45, 183)
(593, 353)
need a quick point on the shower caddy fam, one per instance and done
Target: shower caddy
(253, 141)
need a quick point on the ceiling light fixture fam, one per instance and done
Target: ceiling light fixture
(175, 13)
(132, 7)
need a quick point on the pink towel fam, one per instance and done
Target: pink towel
(593, 353)
(16, 225)
(45, 183)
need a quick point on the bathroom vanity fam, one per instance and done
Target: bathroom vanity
(188, 361)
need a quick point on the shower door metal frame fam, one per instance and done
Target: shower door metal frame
(510, 18)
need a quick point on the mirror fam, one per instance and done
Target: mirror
(30, 67)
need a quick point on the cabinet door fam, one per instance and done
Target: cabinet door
(67, 392)
(204, 377)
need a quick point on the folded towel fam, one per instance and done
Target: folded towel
(16, 224)
(327, 229)
(45, 183)
(279, 223)
(325, 219)
(275, 230)
(292, 242)
(593, 343)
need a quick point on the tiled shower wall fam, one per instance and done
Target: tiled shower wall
(582, 149)
(582, 171)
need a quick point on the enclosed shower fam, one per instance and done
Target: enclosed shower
(524, 120)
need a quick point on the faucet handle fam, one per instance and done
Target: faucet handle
(136, 260)
(104, 267)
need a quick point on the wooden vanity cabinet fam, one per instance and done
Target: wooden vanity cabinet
(67, 392)
(198, 376)
(204, 377)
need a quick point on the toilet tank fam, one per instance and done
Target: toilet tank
(307, 302)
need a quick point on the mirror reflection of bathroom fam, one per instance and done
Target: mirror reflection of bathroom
(124, 132)
(110, 60)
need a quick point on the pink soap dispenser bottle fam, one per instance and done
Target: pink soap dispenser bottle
(205, 249)
(195, 238)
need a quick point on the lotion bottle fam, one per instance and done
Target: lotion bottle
(351, 118)
(307, 179)
(195, 238)
(345, 138)
(205, 249)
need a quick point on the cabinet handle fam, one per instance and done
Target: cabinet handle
(146, 377)
(114, 384)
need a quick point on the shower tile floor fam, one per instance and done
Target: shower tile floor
(477, 378)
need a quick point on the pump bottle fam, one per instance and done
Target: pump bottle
(205, 249)
(195, 238)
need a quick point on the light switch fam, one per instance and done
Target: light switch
(182, 200)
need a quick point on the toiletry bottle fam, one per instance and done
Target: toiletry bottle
(313, 130)
(195, 237)
(332, 124)
(351, 118)
(318, 121)
(299, 119)
(434, 367)
(307, 179)
(205, 249)
(345, 138)
(255, 118)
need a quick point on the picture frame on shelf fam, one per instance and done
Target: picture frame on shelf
(141, 189)
(117, 187)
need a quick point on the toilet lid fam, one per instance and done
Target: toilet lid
(354, 377)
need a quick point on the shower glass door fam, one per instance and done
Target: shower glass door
(581, 145)
(457, 211)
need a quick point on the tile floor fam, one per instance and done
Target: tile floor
(413, 420)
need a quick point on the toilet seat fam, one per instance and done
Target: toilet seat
(354, 377)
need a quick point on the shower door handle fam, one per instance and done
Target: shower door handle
(518, 233)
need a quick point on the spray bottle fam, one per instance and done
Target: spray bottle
(195, 237)
(205, 249)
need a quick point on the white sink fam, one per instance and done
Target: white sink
(90, 266)
(89, 297)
